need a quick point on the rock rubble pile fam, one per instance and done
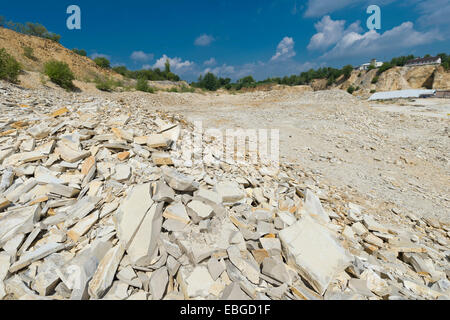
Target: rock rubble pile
(97, 202)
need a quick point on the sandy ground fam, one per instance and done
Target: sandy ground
(392, 156)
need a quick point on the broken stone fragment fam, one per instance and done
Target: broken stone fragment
(70, 155)
(144, 244)
(179, 181)
(162, 192)
(162, 159)
(123, 172)
(158, 283)
(276, 270)
(83, 226)
(157, 141)
(216, 268)
(18, 221)
(314, 208)
(106, 270)
(40, 131)
(234, 292)
(177, 217)
(132, 212)
(199, 211)
(195, 284)
(248, 267)
(38, 254)
(303, 241)
(62, 190)
(229, 192)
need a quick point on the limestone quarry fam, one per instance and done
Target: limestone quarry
(99, 202)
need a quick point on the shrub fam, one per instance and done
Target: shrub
(142, 85)
(373, 91)
(9, 67)
(375, 79)
(28, 52)
(105, 84)
(351, 89)
(102, 62)
(80, 52)
(186, 89)
(59, 73)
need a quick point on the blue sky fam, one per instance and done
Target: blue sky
(237, 38)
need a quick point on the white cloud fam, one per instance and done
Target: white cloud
(204, 40)
(222, 71)
(100, 55)
(210, 62)
(285, 50)
(141, 56)
(434, 12)
(329, 32)
(370, 43)
(176, 64)
(317, 8)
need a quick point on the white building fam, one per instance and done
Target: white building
(424, 61)
(366, 66)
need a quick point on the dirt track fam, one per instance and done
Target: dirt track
(389, 157)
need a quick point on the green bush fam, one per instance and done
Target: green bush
(375, 79)
(142, 85)
(351, 89)
(106, 84)
(373, 91)
(59, 73)
(102, 62)
(28, 52)
(9, 67)
(187, 89)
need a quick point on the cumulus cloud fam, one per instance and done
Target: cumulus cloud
(285, 50)
(222, 71)
(210, 62)
(329, 32)
(318, 8)
(176, 64)
(204, 40)
(141, 56)
(100, 55)
(354, 44)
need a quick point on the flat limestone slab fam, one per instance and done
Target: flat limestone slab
(145, 242)
(104, 275)
(314, 252)
(131, 213)
(36, 255)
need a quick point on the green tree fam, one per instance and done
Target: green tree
(167, 66)
(209, 82)
(59, 73)
(347, 71)
(102, 62)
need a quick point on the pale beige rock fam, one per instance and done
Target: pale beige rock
(303, 241)
(131, 212)
(104, 275)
